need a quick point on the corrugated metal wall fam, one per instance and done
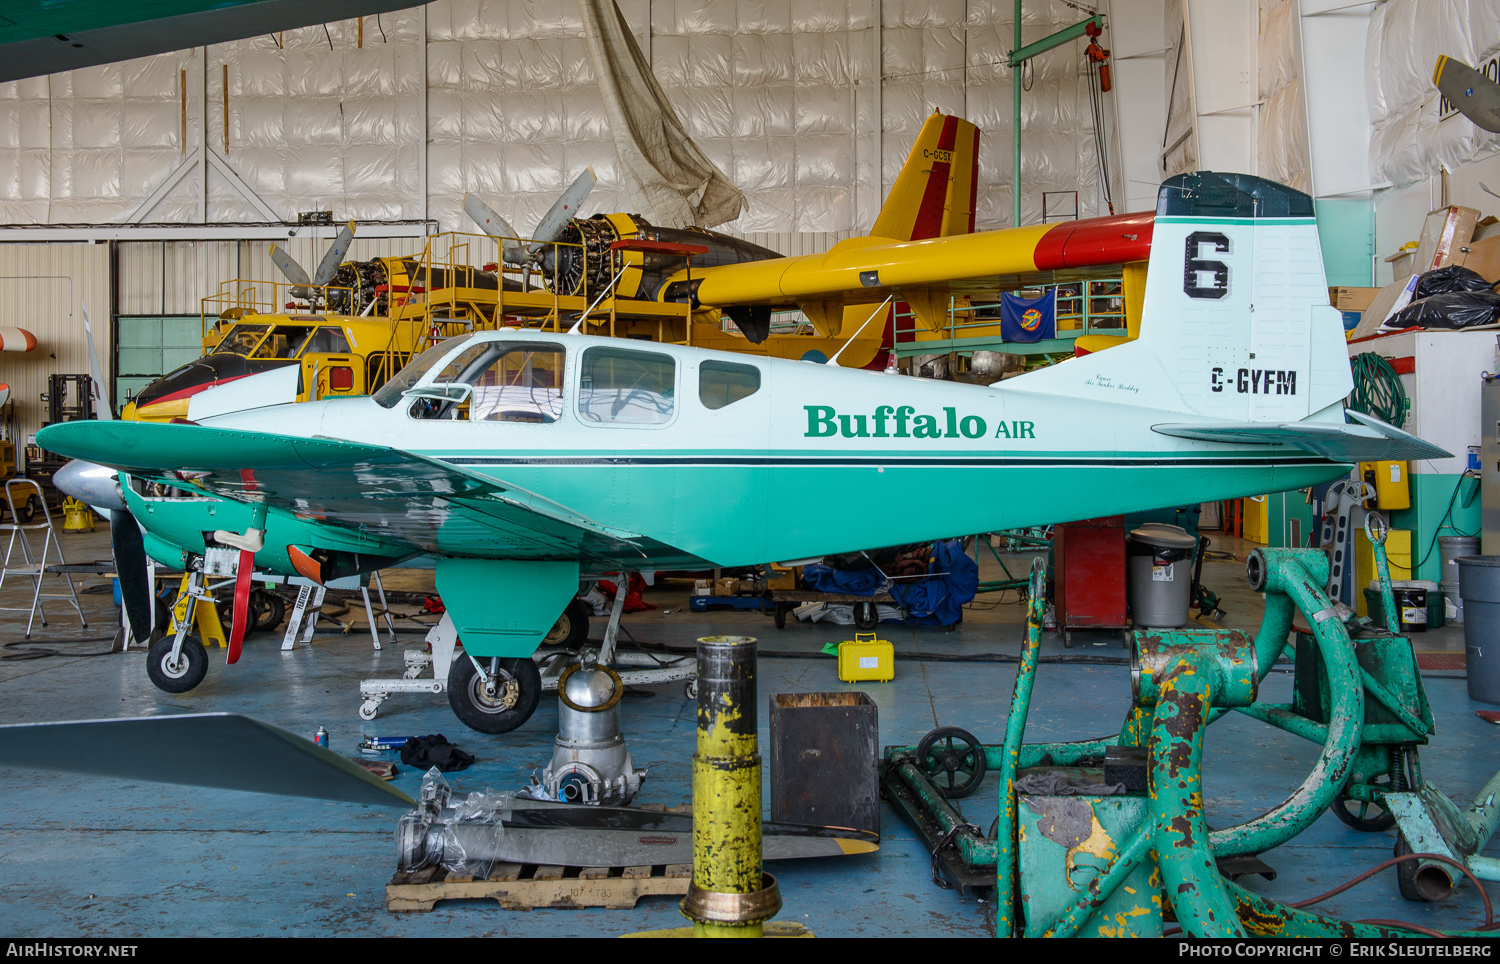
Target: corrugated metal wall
(42, 285)
(42, 289)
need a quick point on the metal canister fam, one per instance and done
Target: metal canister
(321, 738)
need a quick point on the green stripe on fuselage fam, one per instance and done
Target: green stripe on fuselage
(742, 514)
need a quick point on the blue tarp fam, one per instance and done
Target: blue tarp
(1028, 320)
(935, 601)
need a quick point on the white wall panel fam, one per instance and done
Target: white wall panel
(42, 289)
(780, 94)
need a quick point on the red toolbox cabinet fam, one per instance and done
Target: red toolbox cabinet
(1089, 575)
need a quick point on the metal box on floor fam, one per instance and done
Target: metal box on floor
(825, 755)
(1089, 573)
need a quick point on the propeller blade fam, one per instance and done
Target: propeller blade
(241, 621)
(133, 570)
(103, 410)
(335, 256)
(289, 266)
(1470, 92)
(511, 252)
(222, 750)
(563, 209)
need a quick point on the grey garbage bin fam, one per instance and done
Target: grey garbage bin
(1159, 575)
(1479, 585)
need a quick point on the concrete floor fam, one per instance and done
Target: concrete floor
(106, 858)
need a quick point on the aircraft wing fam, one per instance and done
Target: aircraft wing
(1369, 439)
(861, 270)
(396, 496)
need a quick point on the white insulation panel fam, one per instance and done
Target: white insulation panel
(779, 94)
(1412, 136)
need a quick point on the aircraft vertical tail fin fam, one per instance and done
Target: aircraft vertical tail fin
(1236, 325)
(934, 195)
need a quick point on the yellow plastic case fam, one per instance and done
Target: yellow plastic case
(866, 658)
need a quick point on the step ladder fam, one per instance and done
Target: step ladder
(32, 565)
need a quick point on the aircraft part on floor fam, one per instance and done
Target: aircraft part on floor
(590, 763)
(579, 835)
(223, 750)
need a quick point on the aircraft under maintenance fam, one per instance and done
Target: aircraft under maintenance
(352, 324)
(518, 461)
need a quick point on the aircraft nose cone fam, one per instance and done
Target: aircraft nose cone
(90, 483)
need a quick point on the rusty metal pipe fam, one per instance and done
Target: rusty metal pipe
(730, 895)
(1298, 576)
(1190, 877)
(1006, 868)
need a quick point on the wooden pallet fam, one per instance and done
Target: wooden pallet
(528, 886)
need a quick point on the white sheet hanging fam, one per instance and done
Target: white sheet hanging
(668, 177)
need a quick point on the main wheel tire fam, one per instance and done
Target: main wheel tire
(517, 690)
(866, 616)
(268, 608)
(955, 757)
(179, 677)
(571, 628)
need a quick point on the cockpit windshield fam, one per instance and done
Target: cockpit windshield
(390, 393)
(242, 339)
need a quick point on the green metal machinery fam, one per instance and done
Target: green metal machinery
(1107, 837)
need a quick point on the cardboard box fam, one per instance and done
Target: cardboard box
(703, 587)
(726, 586)
(1351, 299)
(1481, 257)
(1443, 233)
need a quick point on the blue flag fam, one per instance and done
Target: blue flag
(1028, 321)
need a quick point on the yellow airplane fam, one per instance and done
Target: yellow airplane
(359, 322)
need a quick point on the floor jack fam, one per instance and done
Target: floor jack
(1076, 847)
(635, 668)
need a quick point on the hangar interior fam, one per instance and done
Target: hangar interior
(760, 452)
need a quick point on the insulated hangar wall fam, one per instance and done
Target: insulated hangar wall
(394, 118)
(781, 95)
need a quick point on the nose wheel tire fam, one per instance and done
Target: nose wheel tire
(181, 674)
(501, 703)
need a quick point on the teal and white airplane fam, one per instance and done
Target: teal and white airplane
(515, 461)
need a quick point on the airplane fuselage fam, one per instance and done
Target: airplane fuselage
(815, 460)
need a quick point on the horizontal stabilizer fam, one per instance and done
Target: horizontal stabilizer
(1367, 440)
(222, 750)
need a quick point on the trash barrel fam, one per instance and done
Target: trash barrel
(1479, 586)
(1159, 575)
(1450, 548)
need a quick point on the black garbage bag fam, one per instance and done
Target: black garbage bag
(434, 750)
(1444, 281)
(1458, 309)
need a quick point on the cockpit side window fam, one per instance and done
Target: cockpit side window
(325, 341)
(524, 383)
(282, 342)
(622, 387)
(723, 383)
